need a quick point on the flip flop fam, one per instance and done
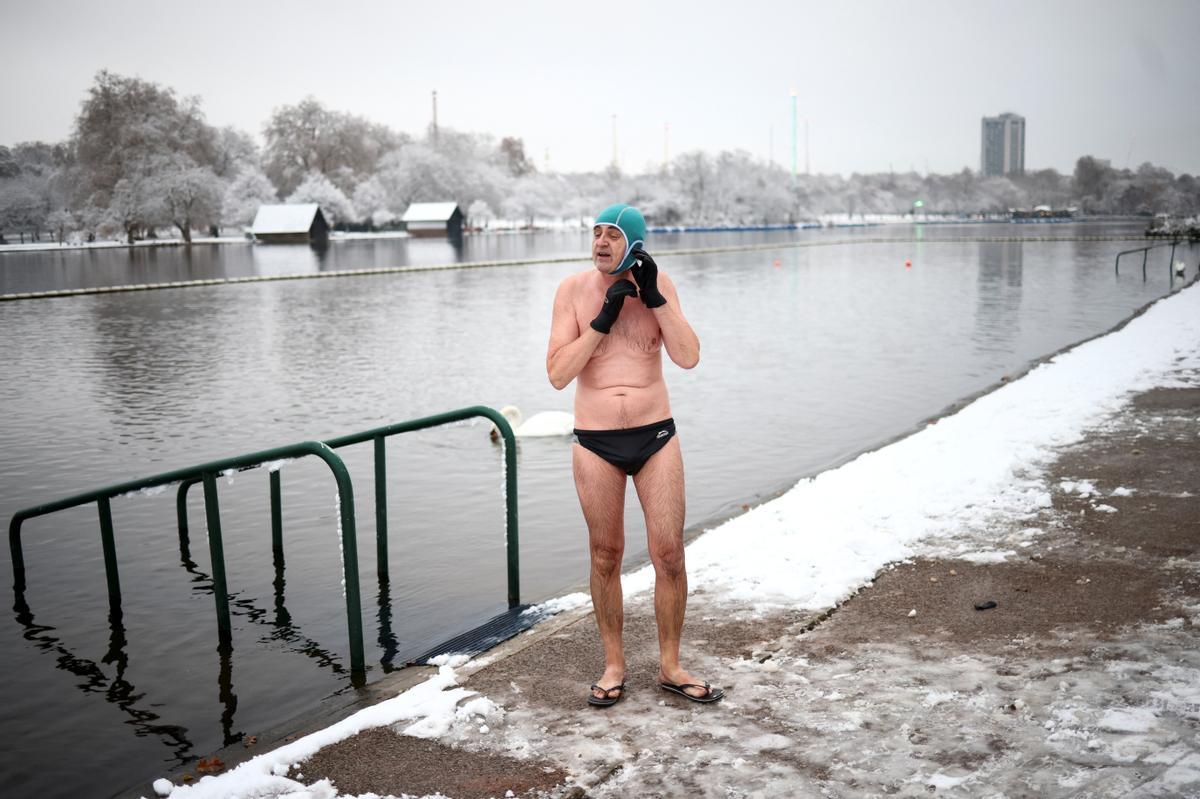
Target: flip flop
(710, 694)
(608, 699)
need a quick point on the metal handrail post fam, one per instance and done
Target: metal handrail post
(110, 556)
(185, 549)
(381, 531)
(510, 460)
(510, 517)
(216, 550)
(276, 519)
(17, 555)
(358, 664)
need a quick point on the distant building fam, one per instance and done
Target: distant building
(433, 219)
(1003, 147)
(301, 223)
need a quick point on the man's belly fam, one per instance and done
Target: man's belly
(620, 407)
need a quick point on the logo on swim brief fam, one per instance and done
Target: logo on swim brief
(662, 433)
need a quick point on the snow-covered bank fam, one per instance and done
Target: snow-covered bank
(54, 246)
(812, 547)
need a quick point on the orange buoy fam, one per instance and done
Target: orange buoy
(778, 263)
(907, 263)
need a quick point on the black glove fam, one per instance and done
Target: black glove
(645, 272)
(614, 298)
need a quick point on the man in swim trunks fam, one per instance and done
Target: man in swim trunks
(609, 328)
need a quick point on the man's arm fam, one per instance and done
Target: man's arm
(683, 346)
(569, 349)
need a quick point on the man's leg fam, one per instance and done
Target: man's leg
(659, 486)
(601, 489)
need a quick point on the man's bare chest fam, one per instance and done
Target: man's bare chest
(635, 331)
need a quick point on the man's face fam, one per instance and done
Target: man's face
(608, 247)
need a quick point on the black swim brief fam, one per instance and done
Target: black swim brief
(628, 449)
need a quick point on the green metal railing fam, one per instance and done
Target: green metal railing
(1145, 251)
(207, 474)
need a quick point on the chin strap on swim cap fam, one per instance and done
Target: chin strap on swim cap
(632, 225)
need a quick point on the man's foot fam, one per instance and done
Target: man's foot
(603, 697)
(697, 693)
(689, 687)
(606, 697)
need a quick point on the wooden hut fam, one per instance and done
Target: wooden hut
(299, 223)
(434, 219)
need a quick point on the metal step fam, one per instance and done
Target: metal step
(491, 633)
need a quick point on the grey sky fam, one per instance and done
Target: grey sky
(881, 84)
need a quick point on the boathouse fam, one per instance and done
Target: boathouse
(298, 223)
(434, 219)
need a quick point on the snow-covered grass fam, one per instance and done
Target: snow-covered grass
(829, 535)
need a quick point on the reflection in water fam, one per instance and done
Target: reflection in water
(117, 691)
(287, 259)
(388, 643)
(998, 293)
(122, 693)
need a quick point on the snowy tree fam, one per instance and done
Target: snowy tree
(480, 214)
(9, 168)
(534, 195)
(693, 176)
(513, 151)
(316, 188)
(234, 151)
(244, 194)
(125, 123)
(191, 194)
(133, 206)
(60, 222)
(420, 173)
(24, 206)
(307, 137)
(372, 204)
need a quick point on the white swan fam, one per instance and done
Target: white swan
(546, 423)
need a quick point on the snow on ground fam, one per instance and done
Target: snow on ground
(943, 488)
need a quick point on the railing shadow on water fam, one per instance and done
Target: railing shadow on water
(282, 628)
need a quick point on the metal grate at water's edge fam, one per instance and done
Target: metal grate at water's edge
(491, 633)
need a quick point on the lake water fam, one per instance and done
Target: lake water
(809, 356)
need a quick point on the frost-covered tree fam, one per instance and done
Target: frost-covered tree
(60, 222)
(512, 151)
(480, 214)
(316, 188)
(190, 194)
(24, 207)
(307, 137)
(421, 173)
(532, 196)
(244, 194)
(372, 204)
(9, 168)
(133, 206)
(125, 123)
(233, 152)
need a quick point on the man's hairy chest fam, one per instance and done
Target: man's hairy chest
(636, 331)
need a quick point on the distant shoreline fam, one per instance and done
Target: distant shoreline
(825, 222)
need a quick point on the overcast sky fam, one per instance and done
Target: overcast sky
(880, 84)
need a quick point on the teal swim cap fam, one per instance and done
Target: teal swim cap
(632, 225)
